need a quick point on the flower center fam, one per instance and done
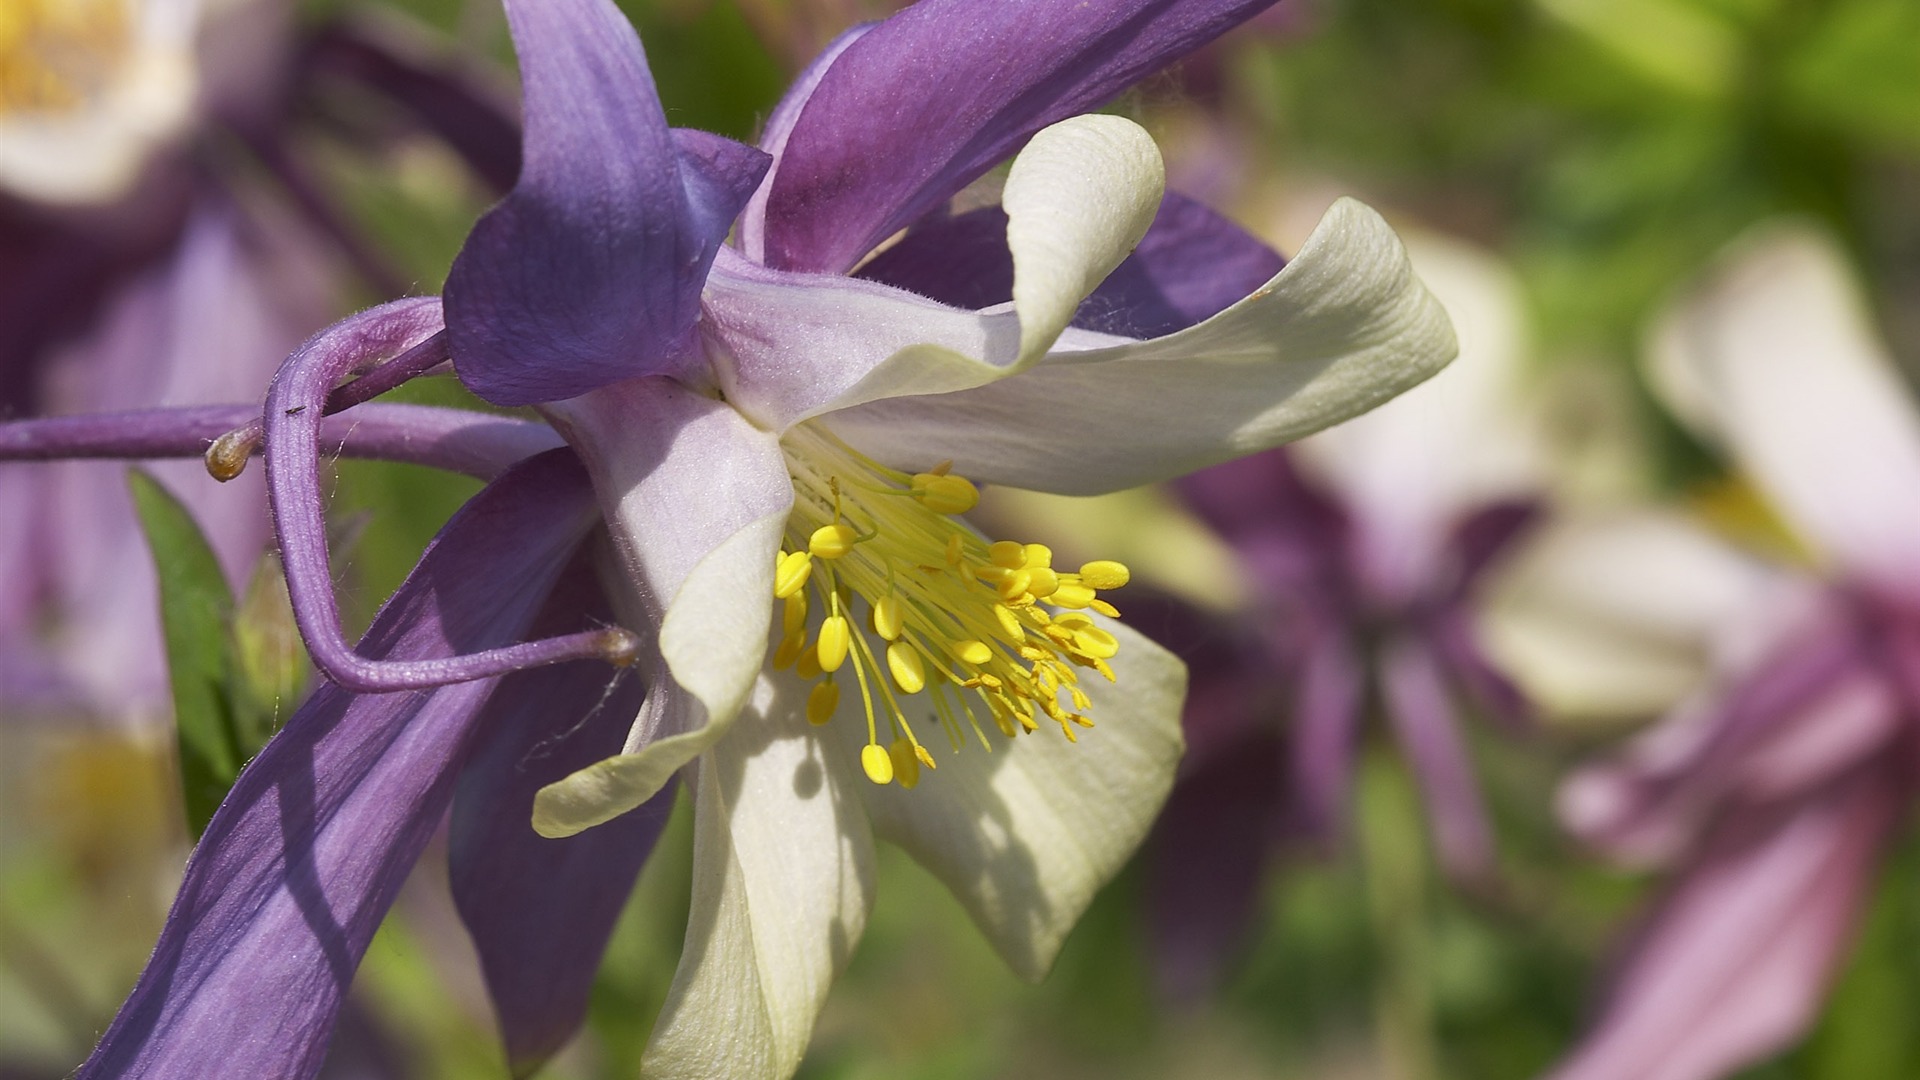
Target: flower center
(55, 54)
(871, 550)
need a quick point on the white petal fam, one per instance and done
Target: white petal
(786, 346)
(696, 498)
(782, 883)
(1024, 836)
(1343, 328)
(1078, 198)
(1621, 615)
(1410, 468)
(1776, 357)
(789, 346)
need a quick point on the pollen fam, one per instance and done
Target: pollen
(938, 626)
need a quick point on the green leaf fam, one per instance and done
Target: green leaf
(196, 611)
(269, 662)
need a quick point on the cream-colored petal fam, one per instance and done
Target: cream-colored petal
(786, 346)
(696, 498)
(1025, 835)
(1343, 328)
(1620, 615)
(1410, 468)
(1776, 357)
(782, 883)
(1078, 198)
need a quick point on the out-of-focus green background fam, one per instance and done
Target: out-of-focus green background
(1605, 148)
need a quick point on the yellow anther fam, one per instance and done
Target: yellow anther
(835, 637)
(788, 650)
(822, 700)
(1008, 553)
(878, 763)
(1104, 608)
(973, 652)
(906, 764)
(928, 586)
(909, 673)
(945, 494)
(790, 574)
(832, 541)
(1071, 595)
(807, 667)
(1009, 621)
(887, 621)
(1104, 574)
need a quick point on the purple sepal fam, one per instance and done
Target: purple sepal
(540, 911)
(1419, 705)
(1191, 265)
(935, 96)
(1328, 703)
(1733, 963)
(961, 260)
(1485, 536)
(590, 271)
(301, 861)
(1207, 859)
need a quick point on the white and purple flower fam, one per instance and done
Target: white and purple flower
(791, 419)
(1773, 789)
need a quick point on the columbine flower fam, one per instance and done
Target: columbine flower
(88, 89)
(1357, 559)
(1775, 787)
(778, 452)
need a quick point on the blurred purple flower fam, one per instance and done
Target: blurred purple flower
(1773, 791)
(723, 405)
(136, 269)
(1357, 555)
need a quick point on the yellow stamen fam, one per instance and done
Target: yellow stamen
(832, 541)
(887, 616)
(791, 573)
(955, 614)
(835, 635)
(878, 763)
(906, 763)
(822, 700)
(909, 674)
(945, 494)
